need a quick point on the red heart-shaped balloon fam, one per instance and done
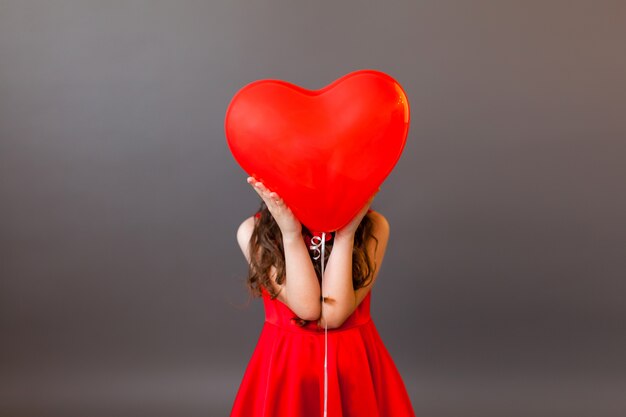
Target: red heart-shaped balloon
(325, 152)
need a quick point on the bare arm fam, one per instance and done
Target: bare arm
(342, 298)
(301, 286)
(300, 290)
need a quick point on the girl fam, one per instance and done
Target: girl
(286, 376)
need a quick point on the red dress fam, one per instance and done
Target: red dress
(285, 375)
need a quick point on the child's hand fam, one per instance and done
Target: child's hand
(288, 223)
(350, 228)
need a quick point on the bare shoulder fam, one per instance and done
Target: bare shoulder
(244, 232)
(376, 249)
(381, 225)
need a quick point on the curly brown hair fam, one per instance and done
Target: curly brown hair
(267, 244)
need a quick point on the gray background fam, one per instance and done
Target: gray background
(121, 290)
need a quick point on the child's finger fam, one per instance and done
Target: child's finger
(263, 194)
(260, 188)
(253, 181)
(256, 189)
(271, 198)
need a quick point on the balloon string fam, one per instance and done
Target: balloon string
(322, 242)
(325, 330)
